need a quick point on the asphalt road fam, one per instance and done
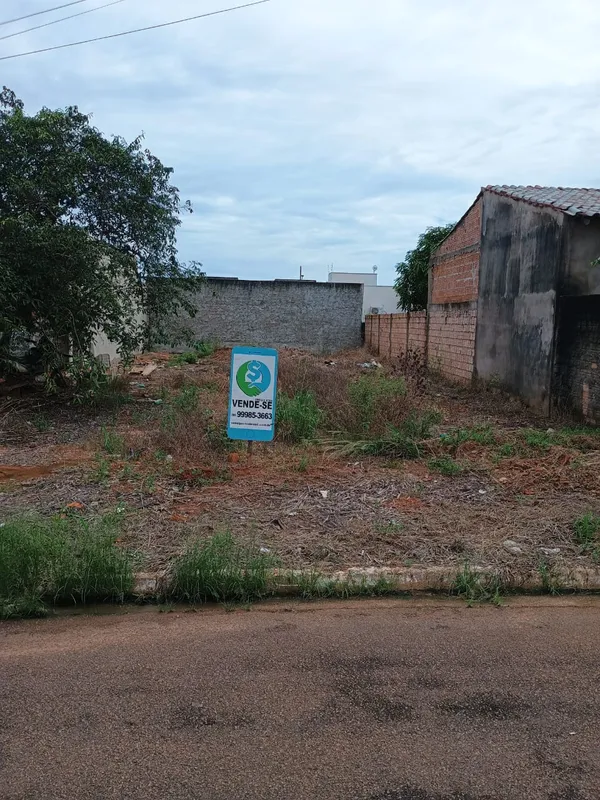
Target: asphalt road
(372, 700)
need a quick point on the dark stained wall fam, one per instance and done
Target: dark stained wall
(577, 382)
(582, 239)
(577, 363)
(521, 261)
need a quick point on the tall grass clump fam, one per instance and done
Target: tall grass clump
(49, 560)
(370, 397)
(221, 570)
(298, 417)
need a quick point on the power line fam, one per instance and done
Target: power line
(136, 30)
(46, 11)
(61, 19)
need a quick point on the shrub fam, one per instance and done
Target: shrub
(220, 570)
(93, 385)
(297, 417)
(205, 349)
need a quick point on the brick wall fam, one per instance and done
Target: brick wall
(577, 377)
(451, 343)
(323, 317)
(455, 265)
(392, 335)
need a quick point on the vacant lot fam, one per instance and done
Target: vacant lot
(373, 466)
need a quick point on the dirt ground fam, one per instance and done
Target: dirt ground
(310, 507)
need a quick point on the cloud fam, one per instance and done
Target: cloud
(314, 133)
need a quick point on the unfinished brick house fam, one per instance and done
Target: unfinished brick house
(514, 297)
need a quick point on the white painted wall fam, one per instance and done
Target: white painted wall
(383, 298)
(366, 278)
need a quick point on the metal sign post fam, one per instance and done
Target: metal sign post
(252, 395)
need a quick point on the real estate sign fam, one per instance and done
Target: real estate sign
(252, 394)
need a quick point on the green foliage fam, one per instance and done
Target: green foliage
(205, 349)
(220, 570)
(539, 440)
(369, 392)
(180, 359)
(297, 417)
(507, 450)
(477, 587)
(482, 434)
(445, 465)
(585, 531)
(60, 560)
(413, 273)
(87, 235)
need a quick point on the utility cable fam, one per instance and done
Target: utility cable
(136, 30)
(60, 19)
(46, 11)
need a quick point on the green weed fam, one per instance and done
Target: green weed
(112, 442)
(550, 583)
(367, 394)
(221, 570)
(298, 417)
(396, 442)
(60, 559)
(204, 349)
(389, 527)
(41, 423)
(101, 472)
(481, 434)
(445, 465)
(302, 464)
(186, 401)
(477, 587)
(180, 359)
(585, 531)
(506, 451)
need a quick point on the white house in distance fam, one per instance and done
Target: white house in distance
(376, 299)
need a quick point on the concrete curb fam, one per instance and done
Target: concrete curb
(409, 580)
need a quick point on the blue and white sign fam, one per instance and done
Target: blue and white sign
(252, 394)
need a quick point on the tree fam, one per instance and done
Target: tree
(413, 272)
(87, 233)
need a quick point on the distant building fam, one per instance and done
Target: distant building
(376, 299)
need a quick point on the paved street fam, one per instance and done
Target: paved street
(365, 700)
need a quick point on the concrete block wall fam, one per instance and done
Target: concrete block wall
(322, 317)
(393, 335)
(451, 341)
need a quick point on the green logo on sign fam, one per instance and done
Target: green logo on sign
(253, 378)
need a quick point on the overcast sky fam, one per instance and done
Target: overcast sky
(322, 132)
